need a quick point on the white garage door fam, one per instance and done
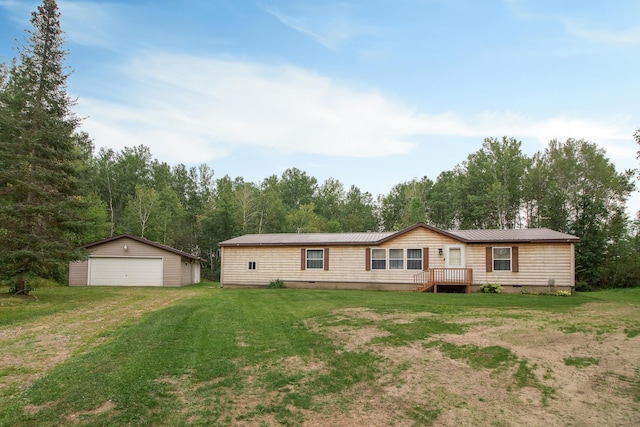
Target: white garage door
(125, 271)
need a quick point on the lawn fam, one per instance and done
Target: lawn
(202, 355)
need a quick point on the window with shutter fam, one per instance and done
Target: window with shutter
(501, 259)
(315, 259)
(414, 259)
(378, 259)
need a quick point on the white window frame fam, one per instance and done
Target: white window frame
(419, 260)
(396, 263)
(494, 259)
(373, 259)
(252, 265)
(314, 260)
(448, 257)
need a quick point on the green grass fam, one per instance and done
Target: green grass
(581, 362)
(631, 296)
(422, 328)
(192, 361)
(492, 357)
(15, 310)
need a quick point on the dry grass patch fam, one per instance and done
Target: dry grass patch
(449, 392)
(31, 350)
(251, 358)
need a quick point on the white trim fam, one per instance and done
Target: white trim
(493, 258)
(120, 281)
(462, 256)
(421, 259)
(307, 259)
(386, 262)
(402, 259)
(120, 256)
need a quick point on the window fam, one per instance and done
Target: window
(315, 258)
(501, 259)
(414, 259)
(455, 256)
(396, 259)
(379, 259)
(252, 265)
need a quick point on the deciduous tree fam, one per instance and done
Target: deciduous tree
(491, 188)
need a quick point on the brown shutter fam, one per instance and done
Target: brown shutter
(303, 259)
(489, 260)
(326, 259)
(425, 259)
(514, 259)
(367, 259)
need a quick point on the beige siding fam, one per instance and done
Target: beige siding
(347, 264)
(189, 271)
(423, 238)
(185, 272)
(537, 264)
(171, 261)
(78, 273)
(172, 273)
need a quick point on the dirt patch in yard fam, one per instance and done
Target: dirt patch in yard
(580, 368)
(424, 385)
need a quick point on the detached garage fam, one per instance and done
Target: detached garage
(128, 260)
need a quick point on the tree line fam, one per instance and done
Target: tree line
(57, 192)
(569, 186)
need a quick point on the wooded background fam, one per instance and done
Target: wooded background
(58, 192)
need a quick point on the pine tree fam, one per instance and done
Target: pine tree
(40, 159)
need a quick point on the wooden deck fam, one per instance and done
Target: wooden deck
(430, 279)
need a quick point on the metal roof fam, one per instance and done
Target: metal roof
(375, 238)
(294, 239)
(514, 235)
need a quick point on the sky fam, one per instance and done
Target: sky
(370, 92)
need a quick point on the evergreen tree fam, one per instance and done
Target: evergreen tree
(40, 159)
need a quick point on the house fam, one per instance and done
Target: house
(417, 258)
(128, 260)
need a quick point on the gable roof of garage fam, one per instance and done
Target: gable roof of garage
(145, 241)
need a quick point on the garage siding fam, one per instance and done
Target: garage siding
(171, 262)
(78, 273)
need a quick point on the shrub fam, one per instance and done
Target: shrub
(276, 284)
(561, 293)
(491, 288)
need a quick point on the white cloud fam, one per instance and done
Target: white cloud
(86, 23)
(12, 4)
(91, 23)
(598, 29)
(629, 36)
(329, 24)
(224, 105)
(20, 10)
(191, 109)
(546, 129)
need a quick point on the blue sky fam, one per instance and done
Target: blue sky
(372, 93)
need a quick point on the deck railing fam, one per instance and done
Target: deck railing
(433, 277)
